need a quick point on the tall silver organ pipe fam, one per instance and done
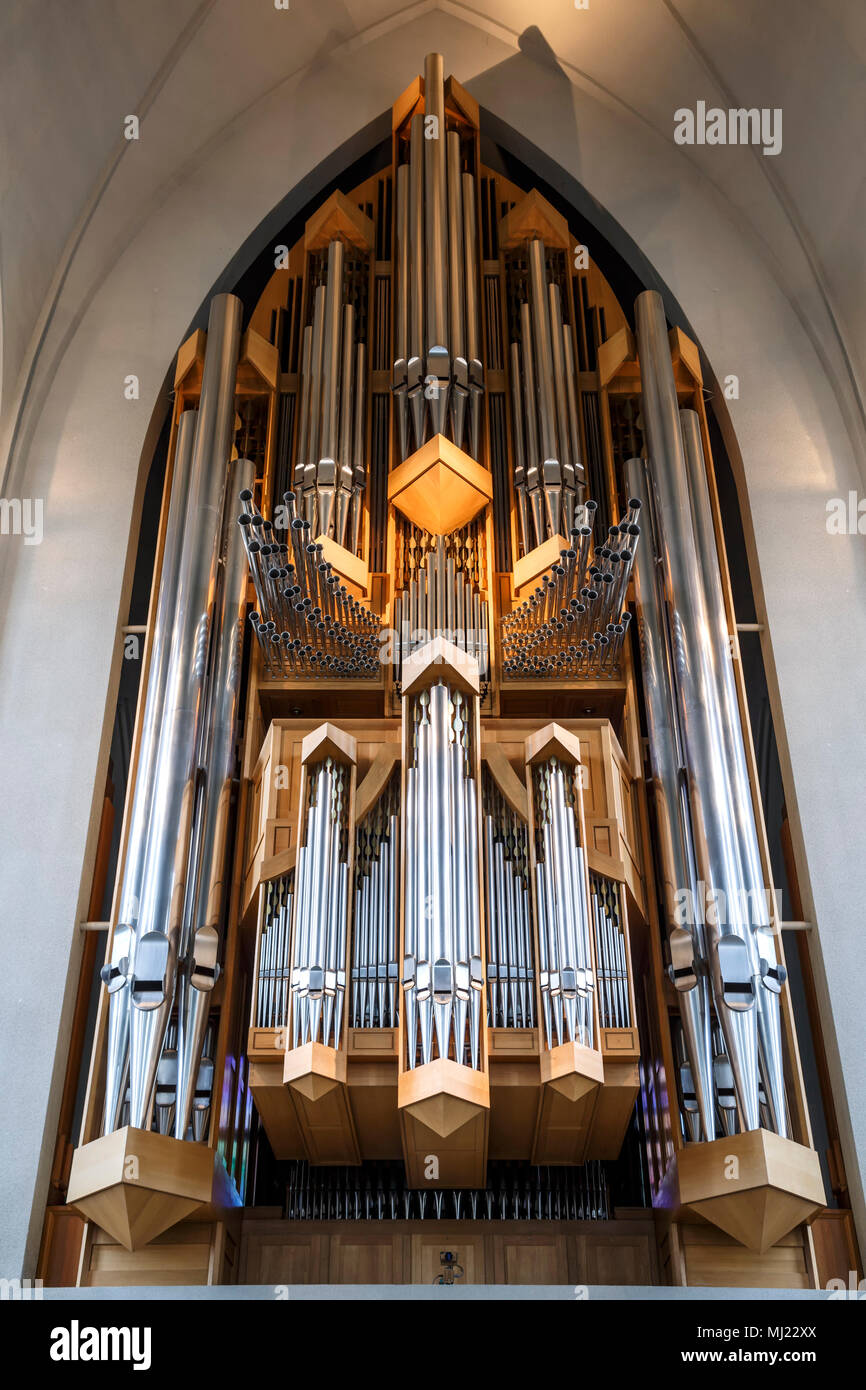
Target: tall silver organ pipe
(318, 978)
(164, 877)
(549, 474)
(199, 952)
(565, 971)
(115, 973)
(767, 972)
(510, 956)
(376, 913)
(700, 675)
(438, 376)
(669, 788)
(442, 965)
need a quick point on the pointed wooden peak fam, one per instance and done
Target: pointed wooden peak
(533, 217)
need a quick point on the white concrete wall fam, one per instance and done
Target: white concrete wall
(241, 102)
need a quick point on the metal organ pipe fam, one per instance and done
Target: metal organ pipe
(435, 200)
(174, 793)
(699, 679)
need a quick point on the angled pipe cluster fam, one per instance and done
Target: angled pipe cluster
(438, 376)
(330, 474)
(318, 973)
(272, 993)
(442, 968)
(549, 476)
(565, 970)
(725, 947)
(441, 599)
(376, 912)
(510, 955)
(307, 624)
(574, 624)
(166, 943)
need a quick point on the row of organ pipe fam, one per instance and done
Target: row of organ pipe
(376, 1191)
(330, 475)
(438, 375)
(441, 601)
(272, 981)
(164, 958)
(549, 477)
(318, 975)
(565, 969)
(442, 965)
(375, 971)
(722, 946)
(510, 952)
(611, 953)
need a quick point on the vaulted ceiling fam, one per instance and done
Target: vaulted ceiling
(73, 191)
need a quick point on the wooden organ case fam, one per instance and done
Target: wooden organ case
(437, 862)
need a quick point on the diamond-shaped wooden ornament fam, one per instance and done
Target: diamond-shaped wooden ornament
(314, 1070)
(443, 1096)
(439, 488)
(135, 1184)
(572, 1070)
(756, 1186)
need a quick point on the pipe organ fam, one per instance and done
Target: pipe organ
(436, 866)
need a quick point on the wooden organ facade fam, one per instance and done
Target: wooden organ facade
(423, 862)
